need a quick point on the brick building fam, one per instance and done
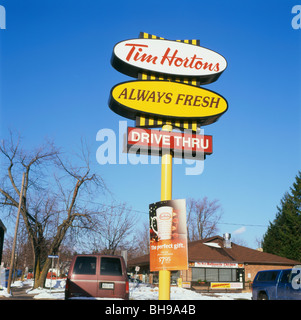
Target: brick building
(219, 263)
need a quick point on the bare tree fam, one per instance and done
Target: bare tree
(80, 184)
(23, 253)
(239, 241)
(48, 212)
(115, 227)
(32, 163)
(202, 218)
(141, 240)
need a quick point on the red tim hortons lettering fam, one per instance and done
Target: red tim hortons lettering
(143, 57)
(193, 62)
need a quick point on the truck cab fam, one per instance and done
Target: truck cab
(277, 285)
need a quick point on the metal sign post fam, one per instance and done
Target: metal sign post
(52, 257)
(137, 269)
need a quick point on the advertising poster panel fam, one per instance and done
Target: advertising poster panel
(168, 235)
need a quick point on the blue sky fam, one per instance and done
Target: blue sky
(56, 78)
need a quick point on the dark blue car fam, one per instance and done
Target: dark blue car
(277, 285)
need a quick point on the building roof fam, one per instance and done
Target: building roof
(201, 251)
(213, 250)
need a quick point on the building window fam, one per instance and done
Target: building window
(225, 275)
(211, 274)
(198, 274)
(214, 274)
(235, 274)
(174, 275)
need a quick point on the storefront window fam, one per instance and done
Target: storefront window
(214, 274)
(198, 274)
(155, 277)
(211, 274)
(225, 275)
(174, 275)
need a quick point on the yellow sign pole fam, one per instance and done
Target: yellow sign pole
(166, 194)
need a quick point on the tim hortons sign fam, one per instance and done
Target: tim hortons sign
(165, 57)
(182, 145)
(167, 100)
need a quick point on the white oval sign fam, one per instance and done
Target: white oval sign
(166, 57)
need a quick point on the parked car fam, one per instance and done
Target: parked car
(277, 285)
(96, 275)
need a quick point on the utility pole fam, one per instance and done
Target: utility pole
(12, 260)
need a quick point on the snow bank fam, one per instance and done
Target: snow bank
(137, 292)
(145, 292)
(57, 291)
(41, 293)
(4, 293)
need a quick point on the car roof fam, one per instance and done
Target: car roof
(97, 255)
(272, 270)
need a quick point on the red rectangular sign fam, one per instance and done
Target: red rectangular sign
(183, 145)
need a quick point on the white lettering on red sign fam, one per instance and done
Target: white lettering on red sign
(171, 140)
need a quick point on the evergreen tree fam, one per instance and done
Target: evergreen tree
(283, 236)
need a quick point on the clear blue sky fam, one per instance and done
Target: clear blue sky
(56, 79)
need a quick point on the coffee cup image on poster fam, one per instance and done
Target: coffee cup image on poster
(168, 235)
(164, 219)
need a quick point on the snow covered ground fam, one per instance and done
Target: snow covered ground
(137, 292)
(57, 289)
(144, 292)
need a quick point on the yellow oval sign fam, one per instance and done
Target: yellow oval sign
(166, 100)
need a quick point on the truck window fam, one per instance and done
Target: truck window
(110, 266)
(267, 276)
(85, 265)
(285, 276)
